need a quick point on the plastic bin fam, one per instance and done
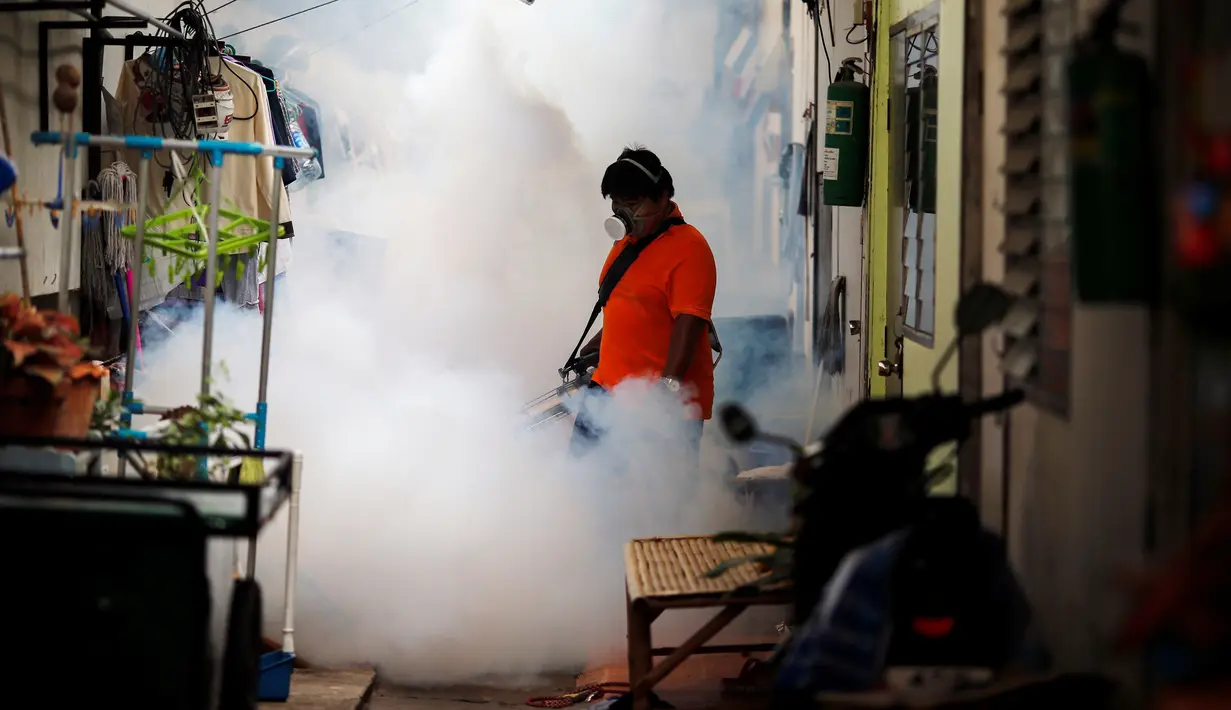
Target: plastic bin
(276, 670)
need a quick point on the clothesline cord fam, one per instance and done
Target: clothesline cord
(279, 19)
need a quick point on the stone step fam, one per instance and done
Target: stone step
(315, 689)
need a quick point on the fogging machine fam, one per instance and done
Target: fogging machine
(579, 367)
(553, 404)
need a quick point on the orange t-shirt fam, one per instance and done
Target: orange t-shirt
(674, 276)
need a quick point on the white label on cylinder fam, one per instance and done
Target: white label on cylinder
(829, 163)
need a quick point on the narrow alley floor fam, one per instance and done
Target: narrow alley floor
(468, 697)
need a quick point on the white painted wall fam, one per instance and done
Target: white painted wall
(847, 226)
(803, 86)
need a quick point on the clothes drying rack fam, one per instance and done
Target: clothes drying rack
(215, 152)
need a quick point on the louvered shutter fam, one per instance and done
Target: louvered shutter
(1040, 33)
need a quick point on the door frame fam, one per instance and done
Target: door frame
(970, 231)
(895, 336)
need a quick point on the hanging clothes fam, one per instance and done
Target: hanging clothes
(278, 118)
(310, 124)
(304, 115)
(245, 182)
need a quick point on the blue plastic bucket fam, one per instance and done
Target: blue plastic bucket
(276, 670)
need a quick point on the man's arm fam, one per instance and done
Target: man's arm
(690, 295)
(688, 329)
(593, 345)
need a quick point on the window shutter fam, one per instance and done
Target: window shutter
(1040, 33)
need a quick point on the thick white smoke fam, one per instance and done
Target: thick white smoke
(438, 540)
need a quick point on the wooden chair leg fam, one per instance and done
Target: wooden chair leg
(640, 645)
(690, 646)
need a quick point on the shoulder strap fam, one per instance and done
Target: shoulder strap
(619, 267)
(615, 272)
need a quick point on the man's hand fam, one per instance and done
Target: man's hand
(592, 346)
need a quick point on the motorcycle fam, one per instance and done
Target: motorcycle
(917, 577)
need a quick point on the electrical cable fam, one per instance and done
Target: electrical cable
(815, 11)
(228, 2)
(852, 29)
(256, 101)
(179, 72)
(833, 35)
(378, 20)
(279, 19)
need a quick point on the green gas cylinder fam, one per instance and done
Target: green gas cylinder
(845, 157)
(1114, 202)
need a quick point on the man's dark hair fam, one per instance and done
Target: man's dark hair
(637, 174)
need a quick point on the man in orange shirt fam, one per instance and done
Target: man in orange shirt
(656, 321)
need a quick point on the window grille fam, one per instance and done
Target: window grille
(919, 64)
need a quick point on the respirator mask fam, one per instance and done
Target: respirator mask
(623, 221)
(620, 223)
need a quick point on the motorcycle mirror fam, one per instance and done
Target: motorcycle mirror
(982, 306)
(738, 423)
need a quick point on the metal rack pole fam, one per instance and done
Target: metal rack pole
(267, 326)
(211, 276)
(145, 16)
(134, 298)
(68, 197)
(292, 555)
(211, 267)
(156, 143)
(271, 269)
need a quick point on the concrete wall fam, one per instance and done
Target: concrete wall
(847, 228)
(1070, 491)
(38, 168)
(845, 239)
(803, 92)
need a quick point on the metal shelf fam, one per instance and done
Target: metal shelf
(228, 510)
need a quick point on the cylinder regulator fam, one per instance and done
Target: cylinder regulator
(845, 157)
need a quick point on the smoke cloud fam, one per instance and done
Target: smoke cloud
(438, 539)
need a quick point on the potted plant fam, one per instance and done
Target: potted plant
(48, 386)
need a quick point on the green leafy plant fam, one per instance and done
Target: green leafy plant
(108, 412)
(774, 566)
(211, 422)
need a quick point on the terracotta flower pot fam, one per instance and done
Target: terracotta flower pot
(33, 407)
